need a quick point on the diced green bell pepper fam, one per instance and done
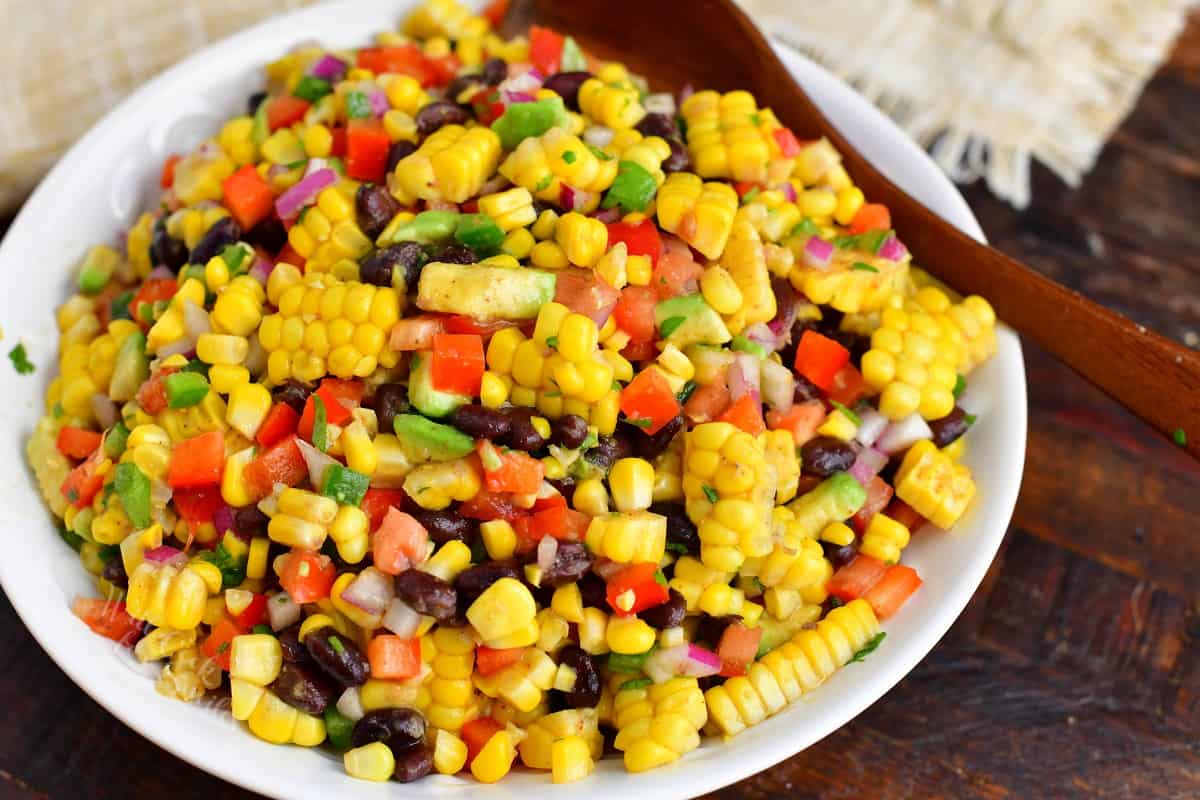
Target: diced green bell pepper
(185, 389)
(115, 439)
(523, 120)
(479, 232)
(633, 188)
(312, 88)
(133, 488)
(344, 485)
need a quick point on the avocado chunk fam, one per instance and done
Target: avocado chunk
(131, 368)
(430, 401)
(483, 292)
(426, 440)
(836, 498)
(777, 632)
(687, 320)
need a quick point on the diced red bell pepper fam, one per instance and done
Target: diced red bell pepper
(555, 500)
(248, 197)
(545, 49)
(367, 146)
(288, 255)
(638, 352)
(494, 12)
(789, 145)
(281, 422)
(490, 660)
(394, 658)
(634, 313)
(337, 147)
(905, 514)
(332, 392)
(443, 69)
(856, 578)
(517, 472)
(819, 358)
(84, 481)
(399, 542)
(220, 642)
(405, 59)
(557, 521)
(893, 590)
(460, 323)
(676, 272)
(737, 648)
(282, 462)
(487, 105)
(802, 420)
(746, 414)
(198, 506)
(636, 588)
(487, 505)
(253, 614)
(640, 238)
(376, 502)
(109, 618)
(457, 363)
(648, 401)
(167, 177)
(152, 291)
(307, 576)
(198, 461)
(476, 734)
(879, 494)
(78, 443)
(285, 110)
(848, 386)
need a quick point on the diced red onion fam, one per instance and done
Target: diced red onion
(379, 102)
(372, 591)
(900, 436)
(314, 165)
(328, 67)
(662, 665)
(165, 555)
(195, 320)
(105, 410)
(288, 204)
(687, 91)
(817, 252)
(586, 294)
(261, 270)
(599, 136)
(607, 215)
(566, 196)
(789, 191)
(401, 619)
(659, 103)
(497, 183)
(787, 305)
(761, 333)
(893, 249)
(868, 464)
(349, 705)
(282, 611)
(606, 569)
(744, 377)
(441, 205)
(700, 662)
(778, 386)
(872, 426)
(160, 272)
(223, 520)
(525, 84)
(317, 462)
(547, 551)
(256, 357)
(508, 98)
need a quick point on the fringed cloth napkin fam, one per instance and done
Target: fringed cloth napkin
(989, 85)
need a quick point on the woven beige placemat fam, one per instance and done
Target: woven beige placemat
(990, 85)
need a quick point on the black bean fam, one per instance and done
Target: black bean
(379, 267)
(438, 113)
(666, 615)
(840, 556)
(480, 422)
(269, 234)
(680, 528)
(521, 433)
(427, 594)
(805, 389)
(398, 151)
(292, 392)
(566, 85)
(593, 592)
(709, 681)
(452, 253)
(249, 521)
(679, 160)
(610, 449)
(826, 455)
(711, 629)
(658, 124)
(586, 692)
(650, 446)
(223, 233)
(571, 562)
(569, 430)
(444, 526)
(293, 649)
(254, 101)
(950, 427)
(375, 207)
(495, 70)
(564, 486)
(165, 249)
(338, 655)
(390, 399)
(304, 687)
(471, 582)
(398, 728)
(114, 573)
(413, 763)
(856, 343)
(463, 83)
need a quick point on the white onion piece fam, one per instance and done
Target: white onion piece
(256, 357)
(606, 569)
(599, 136)
(547, 551)
(778, 386)
(105, 410)
(195, 320)
(349, 705)
(282, 611)
(401, 619)
(317, 462)
(182, 345)
(873, 424)
(372, 591)
(659, 103)
(744, 377)
(904, 434)
(662, 665)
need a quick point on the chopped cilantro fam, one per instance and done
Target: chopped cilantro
(686, 392)
(970, 419)
(337, 645)
(233, 256)
(861, 267)
(544, 183)
(660, 578)
(636, 683)
(850, 415)
(676, 547)
(263, 630)
(569, 156)
(835, 602)
(233, 571)
(552, 342)
(223, 647)
(869, 647)
(20, 360)
(757, 120)
(1179, 436)
(641, 422)
(960, 386)
(598, 153)
(358, 105)
(806, 227)
(711, 494)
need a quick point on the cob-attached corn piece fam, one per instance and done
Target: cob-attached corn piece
(274, 721)
(628, 537)
(730, 137)
(511, 209)
(50, 467)
(199, 174)
(934, 485)
(780, 451)
(615, 104)
(699, 213)
(451, 691)
(745, 262)
(522, 684)
(190, 224)
(328, 237)
(797, 667)
(582, 239)
(796, 561)
(658, 724)
(728, 489)
(450, 165)
(435, 485)
(884, 538)
(188, 675)
(171, 597)
(538, 165)
(447, 18)
(302, 519)
(163, 642)
(169, 326)
(185, 423)
(505, 613)
(324, 325)
(648, 152)
(852, 280)
(772, 215)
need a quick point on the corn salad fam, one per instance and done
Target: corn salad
(462, 404)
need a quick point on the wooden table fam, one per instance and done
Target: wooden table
(1075, 670)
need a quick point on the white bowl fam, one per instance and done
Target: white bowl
(110, 175)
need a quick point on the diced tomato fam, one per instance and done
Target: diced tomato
(405, 59)
(281, 422)
(487, 505)
(167, 176)
(367, 146)
(376, 503)
(737, 648)
(708, 401)
(512, 471)
(545, 49)
(676, 272)
(307, 576)
(84, 481)
(871, 217)
(198, 461)
(220, 642)
(198, 505)
(399, 543)
(288, 255)
(879, 494)
(585, 293)
(905, 514)
(77, 443)
(789, 145)
(335, 394)
(744, 188)
(253, 614)
(416, 333)
(634, 313)
(443, 69)
(285, 110)
(152, 394)
(848, 386)
(476, 734)
(457, 363)
(152, 291)
(648, 401)
(337, 147)
(558, 521)
(394, 658)
(487, 105)
(802, 420)
(819, 358)
(490, 660)
(248, 197)
(108, 618)
(636, 588)
(640, 238)
(637, 352)
(459, 323)
(282, 462)
(746, 414)
(555, 500)
(893, 590)
(856, 578)
(494, 12)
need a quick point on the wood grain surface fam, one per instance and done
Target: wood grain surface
(1074, 672)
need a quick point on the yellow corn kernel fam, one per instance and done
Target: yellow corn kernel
(495, 759)
(632, 483)
(629, 635)
(255, 658)
(502, 609)
(582, 239)
(720, 290)
(499, 538)
(273, 720)
(571, 759)
(371, 762)
(449, 752)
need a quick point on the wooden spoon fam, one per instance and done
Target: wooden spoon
(711, 44)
